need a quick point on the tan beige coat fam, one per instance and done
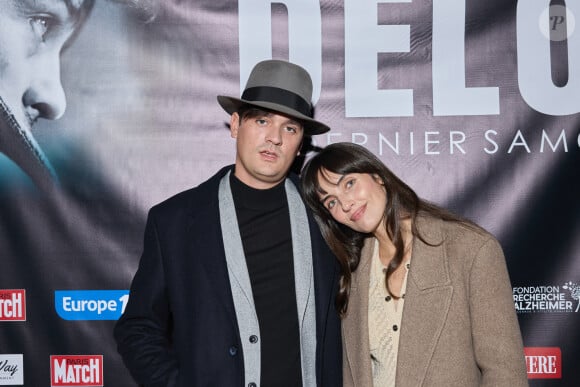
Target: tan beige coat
(459, 325)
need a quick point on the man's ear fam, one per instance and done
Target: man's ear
(234, 124)
(300, 147)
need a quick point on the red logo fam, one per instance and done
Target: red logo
(77, 370)
(12, 305)
(543, 362)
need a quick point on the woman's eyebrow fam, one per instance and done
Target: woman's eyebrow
(326, 194)
(323, 199)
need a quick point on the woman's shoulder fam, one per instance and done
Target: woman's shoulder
(450, 232)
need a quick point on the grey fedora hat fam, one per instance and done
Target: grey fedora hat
(282, 87)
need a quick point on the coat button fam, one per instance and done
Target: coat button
(395, 328)
(252, 384)
(253, 339)
(233, 351)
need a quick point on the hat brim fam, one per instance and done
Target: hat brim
(311, 127)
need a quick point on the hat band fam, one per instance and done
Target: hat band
(279, 96)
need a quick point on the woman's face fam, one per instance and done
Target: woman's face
(357, 200)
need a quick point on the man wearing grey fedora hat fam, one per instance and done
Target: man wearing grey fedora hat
(236, 285)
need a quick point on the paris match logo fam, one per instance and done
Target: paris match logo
(76, 370)
(543, 362)
(12, 305)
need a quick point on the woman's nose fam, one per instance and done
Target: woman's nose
(346, 205)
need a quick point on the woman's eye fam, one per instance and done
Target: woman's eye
(291, 129)
(40, 26)
(330, 204)
(349, 183)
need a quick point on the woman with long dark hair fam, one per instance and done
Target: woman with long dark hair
(425, 295)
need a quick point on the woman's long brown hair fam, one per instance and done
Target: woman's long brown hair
(402, 203)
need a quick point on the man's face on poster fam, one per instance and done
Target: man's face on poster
(33, 34)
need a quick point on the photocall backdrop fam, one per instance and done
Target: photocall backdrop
(476, 104)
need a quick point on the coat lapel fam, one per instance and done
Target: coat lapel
(355, 325)
(427, 302)
(204, 239)
(234, 250)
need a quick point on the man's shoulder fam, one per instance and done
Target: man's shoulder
(294, 178)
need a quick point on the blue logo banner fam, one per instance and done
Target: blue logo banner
(90, 304)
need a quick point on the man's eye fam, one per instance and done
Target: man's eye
(291, 129)
(261, 121)
(40, 25)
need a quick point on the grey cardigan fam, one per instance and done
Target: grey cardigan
(242, 289)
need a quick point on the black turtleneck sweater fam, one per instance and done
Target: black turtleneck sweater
(264, 222)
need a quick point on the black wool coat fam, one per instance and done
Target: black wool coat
(179, 327)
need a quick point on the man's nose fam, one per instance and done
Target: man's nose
(45, 93)
(274, 135)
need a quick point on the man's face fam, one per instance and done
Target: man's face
(32, 35)
(266, 147)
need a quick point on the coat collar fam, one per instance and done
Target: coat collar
(430, 270)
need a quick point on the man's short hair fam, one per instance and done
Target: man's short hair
(248, 111)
